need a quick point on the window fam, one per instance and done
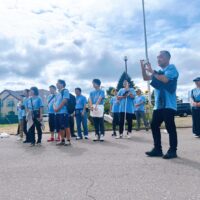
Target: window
(10, 103)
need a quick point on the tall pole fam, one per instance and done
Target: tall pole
(126, 66)
(146, 50)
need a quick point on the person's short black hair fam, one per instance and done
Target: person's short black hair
(79, 89)
(27, 90)
(35, 91)
(167, 53)
(62, 82)
(97, 81)
(53, 87)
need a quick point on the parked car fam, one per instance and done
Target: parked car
(45, 117)
(183, 109)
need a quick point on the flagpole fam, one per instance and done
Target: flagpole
(146, 50)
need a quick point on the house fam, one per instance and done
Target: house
(9, 100)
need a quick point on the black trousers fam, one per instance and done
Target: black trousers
(129, 119)
(115, 122)
(71, 125)
(99, 125)
(36, 125)
(196, 121)
(25, 129)
(167, 116)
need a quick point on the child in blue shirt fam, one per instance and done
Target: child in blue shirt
(126, 97)
(62, 118)
(114, 109)
(51, 112)
(35, 106)
(20, 112)
(139, 102)
(81, 114)
(97, 98)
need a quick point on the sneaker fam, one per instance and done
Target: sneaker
(19, 139)
(154, 153)
(32, 145)
(50, 140)
(67, 143)
(26, 142)
(127, 136)
(114, 134)
(74, 136)
(196, 136)
(61, 143)
(96, 138)
(102, 138)
(170, 155)
(86, 137)
(120, 136)
(79, 138)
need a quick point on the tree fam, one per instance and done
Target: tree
(123, 78)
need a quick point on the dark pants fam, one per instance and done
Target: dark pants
(71, 125)
(25, 129)
(37, 125)
(141, 115)
(115, 122)
(129, 119)
(99, 125)
(196, 121)
(167, 116)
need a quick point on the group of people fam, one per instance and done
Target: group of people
(125, 103)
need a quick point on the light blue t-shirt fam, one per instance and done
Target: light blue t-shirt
(25, 104)
(50, 101)
(115, 104)
(34, 103)
(170, 98)
(20, 113)
(129, 103)
(195, 95)
(140, 100)
(95, 95)
(63, 94)
(81, 101)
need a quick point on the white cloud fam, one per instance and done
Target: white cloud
(42, 41)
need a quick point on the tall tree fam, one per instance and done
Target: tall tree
(125, 77)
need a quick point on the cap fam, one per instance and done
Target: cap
(196, 79)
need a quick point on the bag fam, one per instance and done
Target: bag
(51, 99)
(97, 113)
(71, 103)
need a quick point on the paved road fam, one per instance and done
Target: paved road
(113, 170)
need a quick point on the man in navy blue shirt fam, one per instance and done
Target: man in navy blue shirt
(164, 83)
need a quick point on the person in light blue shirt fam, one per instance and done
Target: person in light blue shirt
(126, 97)
(35, 106)
(114, 109)
(20, 112)
(62, 118)
(51, 112)
(139, 102)
(81, 114)
(195, 101)
(25, 101)
(97, 98)
(164, 82)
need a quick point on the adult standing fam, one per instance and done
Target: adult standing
(164, 82)
(195, 101)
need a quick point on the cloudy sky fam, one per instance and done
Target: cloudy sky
(78, 40)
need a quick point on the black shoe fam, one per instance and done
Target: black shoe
(26, 141)
(32, 145)
(147, 129)
(154, 153)
(114, 134)
(170, 155)
(60, 143)
(74, 136)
